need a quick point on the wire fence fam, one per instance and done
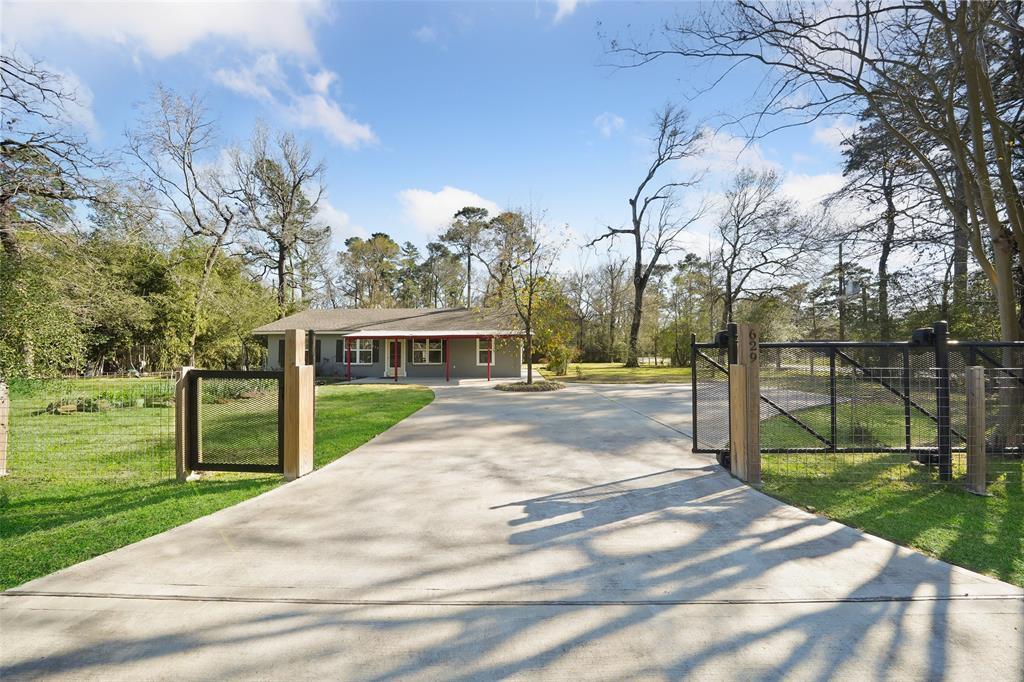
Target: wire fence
(867, 412)
(71, 428)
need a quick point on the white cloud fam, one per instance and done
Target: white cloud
(809, 190)
(425, 34)
(79, 107)
(431, 210)
(340, 223)
(265, 80)
(164, 29)
(254, 81)
(564, 8)
(834, 135)
(725, 153)
(320, 82)
(323, 113)
(608, 124)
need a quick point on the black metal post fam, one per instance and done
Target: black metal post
(832, 392)
(693, 386)
(731, 328)
(906, 399)
(945, 456)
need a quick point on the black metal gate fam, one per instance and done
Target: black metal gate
(236, 421)
(897, 401)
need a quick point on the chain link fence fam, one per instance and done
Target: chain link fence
(77, 428)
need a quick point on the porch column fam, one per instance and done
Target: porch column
(448, 359)
(490, 356)
(394, 358)
(348, 358)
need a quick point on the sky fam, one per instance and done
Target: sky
(421, 108)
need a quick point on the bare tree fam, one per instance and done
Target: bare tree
(527, 262)
(176, 147)
(44, 163)
(943, 79)
(655, 221)
(761, 239)
(280, 187)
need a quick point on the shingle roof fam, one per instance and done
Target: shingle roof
(349, 320)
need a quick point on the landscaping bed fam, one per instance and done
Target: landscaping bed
(535, 387)
(615, 373)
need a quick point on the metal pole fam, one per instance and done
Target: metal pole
(945, 458)
(906, 400)
(832, 393)
(693, 386)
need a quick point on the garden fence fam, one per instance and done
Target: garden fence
(113, 427)
(855, 411)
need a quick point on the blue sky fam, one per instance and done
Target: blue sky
(418, 108)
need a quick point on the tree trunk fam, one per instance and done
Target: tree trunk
(884, 321)
(634, 325)
(469, 277)
(960, 246)
(529, 353)
(281, 270)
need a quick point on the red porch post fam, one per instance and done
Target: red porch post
(490, 354)
(394, 357)
(448, 359)
(348, 358)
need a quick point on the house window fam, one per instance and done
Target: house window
(427, 352)
(362, 351)
(484, 350)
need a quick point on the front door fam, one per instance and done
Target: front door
(395, 358)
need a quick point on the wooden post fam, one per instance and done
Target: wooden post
(976, 459)
(745, 417)
(181, 425)
(5, 425)
(298, 407)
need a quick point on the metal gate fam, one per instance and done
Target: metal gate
(900, 402)
(236, 421)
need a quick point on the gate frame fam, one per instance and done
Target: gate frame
(192, 451)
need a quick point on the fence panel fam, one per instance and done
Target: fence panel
(109, 427)
(237, 421)
(710, 376)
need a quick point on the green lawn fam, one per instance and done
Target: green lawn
(103, 479)
(615, 373)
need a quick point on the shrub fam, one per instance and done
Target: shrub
(558, 360)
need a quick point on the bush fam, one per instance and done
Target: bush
(523, 387)
(558, 360)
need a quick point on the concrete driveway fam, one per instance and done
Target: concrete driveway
(491, 535)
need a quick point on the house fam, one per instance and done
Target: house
(449, 343)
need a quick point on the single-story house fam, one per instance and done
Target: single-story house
(402, 342)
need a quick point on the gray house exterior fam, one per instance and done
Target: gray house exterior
(402, 343)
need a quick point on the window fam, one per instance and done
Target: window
(427, 352)
(484, 349)
(362, 351)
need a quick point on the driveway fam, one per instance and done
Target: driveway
(554, 535)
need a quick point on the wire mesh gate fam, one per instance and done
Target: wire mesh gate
(860, 410)
(236, 421)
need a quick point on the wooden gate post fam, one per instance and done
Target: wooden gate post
(745, 405)
(298, 406)
(976, 459)
(181, 425)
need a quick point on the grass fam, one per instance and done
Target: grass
(615, 373)
(984, 534)
(103, 479)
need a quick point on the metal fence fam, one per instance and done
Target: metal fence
(74, 428)
(236, 421)
(863, 411)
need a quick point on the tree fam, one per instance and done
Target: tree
(464, 234)
(440, 276)
(45, 165)
(761, 239)
(943, 80)
(369, 268)
(655, 224)
(280, 186)
(175, 145)
(524, 257)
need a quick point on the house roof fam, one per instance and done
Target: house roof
(366, 322)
